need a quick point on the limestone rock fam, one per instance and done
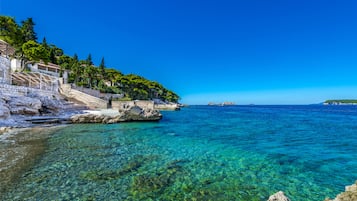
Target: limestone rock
(4, 98)
(140, 114)
(4, 110)
(132, 113)
(25, 105)
(51, 105)
(279, 196)
(350, 194)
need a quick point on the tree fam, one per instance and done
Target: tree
(112, 76)
(11, 33)
(102, 69)
(89, 61)
(44, 44)
(28, 30)
(35, 52)
(57, 51)
(52, 56)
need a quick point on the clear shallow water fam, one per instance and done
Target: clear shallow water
(201, 153)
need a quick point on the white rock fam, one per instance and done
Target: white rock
(279, 196)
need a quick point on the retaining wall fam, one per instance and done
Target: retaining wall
(120, 105)
(90, 101)
(13, 90)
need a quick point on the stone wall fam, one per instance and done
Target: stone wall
(90, 101)
(13, 90)
(121, 105)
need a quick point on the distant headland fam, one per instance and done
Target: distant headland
(341, 102)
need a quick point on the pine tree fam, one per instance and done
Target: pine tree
(102, 69)
(44, 43)
(28, 30)
(89, 61)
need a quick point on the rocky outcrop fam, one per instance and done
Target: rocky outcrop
(18, 110)
(49, 104)
(4, 107)
(137, 113)
(133, 113)
(279, 196)
(350, 194)
(162, 105)
(24, 105)
(4, 110)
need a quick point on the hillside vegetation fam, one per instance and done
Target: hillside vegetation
(81, 72)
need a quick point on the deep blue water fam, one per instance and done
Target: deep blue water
(201, 153)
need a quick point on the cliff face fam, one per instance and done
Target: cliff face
(16, 109)
(32, 104)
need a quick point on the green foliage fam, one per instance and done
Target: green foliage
(102, 69)
(11, 32)
(35, 52)
(89, 61)
(28, 30)
(137, 87)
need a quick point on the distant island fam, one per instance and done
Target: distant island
(341, 102)
(221, 104)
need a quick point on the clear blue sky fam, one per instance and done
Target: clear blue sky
(262, 52)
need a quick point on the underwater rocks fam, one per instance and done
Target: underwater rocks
(105, 175)
(279, 196)
(350, 194)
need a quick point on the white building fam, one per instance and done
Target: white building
(49, 69)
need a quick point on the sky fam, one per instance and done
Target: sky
(247, 52)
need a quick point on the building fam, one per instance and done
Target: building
(6, 50)
(49, 68)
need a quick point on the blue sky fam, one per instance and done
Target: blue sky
(256, 51)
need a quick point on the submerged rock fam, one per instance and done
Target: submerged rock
(350, 194)
(279, 196)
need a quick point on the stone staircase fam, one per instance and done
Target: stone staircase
(91, 101)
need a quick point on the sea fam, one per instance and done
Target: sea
(203, 153)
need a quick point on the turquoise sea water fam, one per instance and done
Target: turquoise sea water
(201, 153)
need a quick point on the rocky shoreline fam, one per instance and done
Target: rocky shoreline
(21, 111)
